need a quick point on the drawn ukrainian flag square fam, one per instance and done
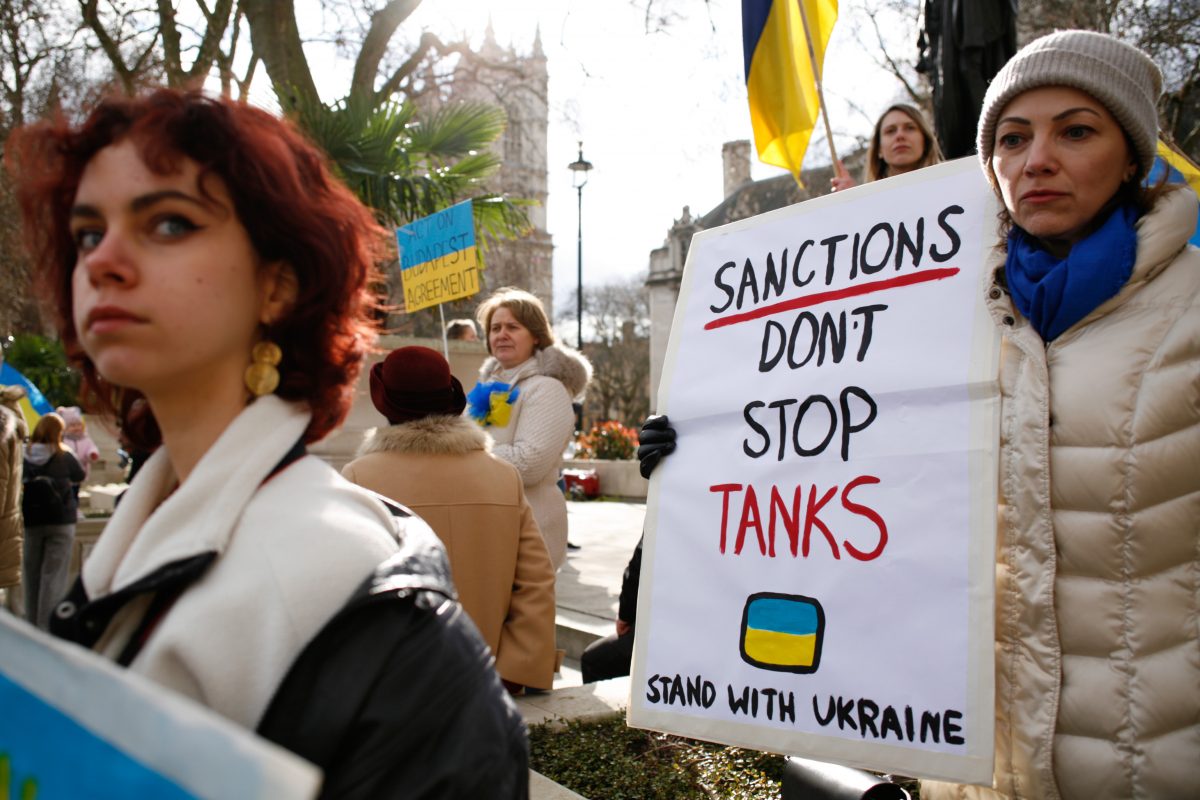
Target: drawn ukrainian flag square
(782, 632)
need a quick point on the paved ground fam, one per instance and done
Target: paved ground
(590, 582)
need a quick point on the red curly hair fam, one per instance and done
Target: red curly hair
(283, 193)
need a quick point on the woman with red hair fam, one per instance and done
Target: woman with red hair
(210, 279)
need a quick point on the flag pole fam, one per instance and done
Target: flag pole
(812, 59)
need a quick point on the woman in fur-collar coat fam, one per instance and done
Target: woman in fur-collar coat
(524, 399)
(12, 432)
(439, 463)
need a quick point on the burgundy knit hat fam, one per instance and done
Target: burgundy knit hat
(413, 383)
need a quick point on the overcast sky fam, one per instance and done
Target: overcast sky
(652, 110)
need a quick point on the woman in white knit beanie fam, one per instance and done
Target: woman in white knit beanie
(1097, 294)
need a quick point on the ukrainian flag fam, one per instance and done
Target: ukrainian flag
(33, 404)
(782, 632)
(781, 79)
(1179, 170)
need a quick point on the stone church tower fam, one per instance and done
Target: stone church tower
(519, 84)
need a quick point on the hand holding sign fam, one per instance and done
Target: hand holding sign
(832, 371)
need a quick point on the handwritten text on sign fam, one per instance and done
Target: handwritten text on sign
(818, 564)
(438, 262)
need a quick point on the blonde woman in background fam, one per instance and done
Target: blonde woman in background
(524, 399)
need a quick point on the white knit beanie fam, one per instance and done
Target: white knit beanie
(1119, 75)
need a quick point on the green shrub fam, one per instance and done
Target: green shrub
(44, 362)
(609, 761)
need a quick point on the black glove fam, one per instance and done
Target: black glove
(655, 441)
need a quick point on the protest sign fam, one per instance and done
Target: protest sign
(74, 725)
(819, 554)
(438, 262)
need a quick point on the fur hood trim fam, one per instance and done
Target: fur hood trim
(13, 423)
(566, 365)
(436, 435)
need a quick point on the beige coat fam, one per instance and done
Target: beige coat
(12, 434)
(541, 426)
(442, 469)
(1098, 549)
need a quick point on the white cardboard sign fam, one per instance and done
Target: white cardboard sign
(819, 557)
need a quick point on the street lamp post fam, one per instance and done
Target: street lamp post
(579, 178)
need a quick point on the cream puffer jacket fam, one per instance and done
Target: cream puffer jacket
(1098, 542)
(541, 425)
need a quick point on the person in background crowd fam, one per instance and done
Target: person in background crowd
(76, 437)
(902, 142)
(1097, 294)
(524, 397)
(612, 656)
(50, 508)
(438, 463)
(12, 434)
(202, 258)
(462, 330)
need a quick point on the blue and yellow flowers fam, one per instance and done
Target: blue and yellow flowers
(491, 403)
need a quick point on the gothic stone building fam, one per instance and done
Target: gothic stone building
(519, 84)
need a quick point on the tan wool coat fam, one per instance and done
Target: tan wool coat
(12, 434)
(1098, 546)
(442, 468)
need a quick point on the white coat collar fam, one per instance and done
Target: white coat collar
(147, 532)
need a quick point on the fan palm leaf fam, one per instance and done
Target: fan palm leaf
(405, 166)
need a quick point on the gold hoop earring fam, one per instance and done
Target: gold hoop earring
(261, 377)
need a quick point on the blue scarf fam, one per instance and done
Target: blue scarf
(1053, 293)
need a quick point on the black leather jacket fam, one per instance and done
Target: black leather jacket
(397, 697)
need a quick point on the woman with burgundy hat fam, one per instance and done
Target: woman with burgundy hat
(439, 463)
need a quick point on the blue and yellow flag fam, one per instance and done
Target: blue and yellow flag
(782, 632)
(33, 404)
(781, 79)
(1179, 170)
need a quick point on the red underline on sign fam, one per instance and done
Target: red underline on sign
(835, 294)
